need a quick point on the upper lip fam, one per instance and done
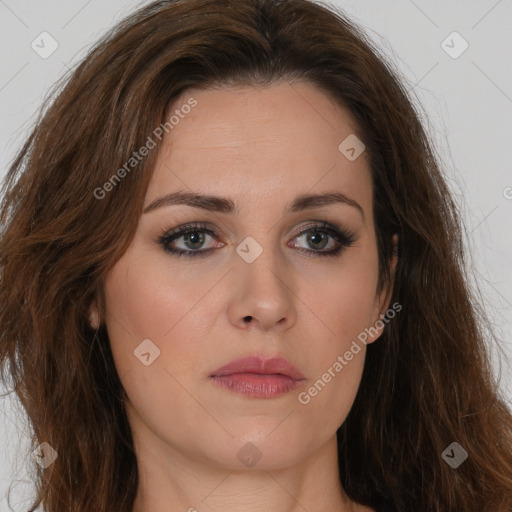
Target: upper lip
(253, 364)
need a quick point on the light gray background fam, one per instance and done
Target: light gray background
(467, 102)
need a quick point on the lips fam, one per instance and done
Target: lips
(257, 377)
(275, 365)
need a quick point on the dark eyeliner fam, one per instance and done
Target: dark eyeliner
(171, 234)
(345, 238)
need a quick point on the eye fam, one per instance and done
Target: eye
(317, 237)
(193, 236)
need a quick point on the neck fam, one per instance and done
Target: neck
(172, 481)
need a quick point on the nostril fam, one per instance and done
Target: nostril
(247, 318)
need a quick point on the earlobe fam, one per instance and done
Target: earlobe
(94, 316)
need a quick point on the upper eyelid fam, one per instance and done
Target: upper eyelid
(343, 236)
(181, 230)
(205, 226)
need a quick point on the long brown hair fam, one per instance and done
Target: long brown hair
(427, 382)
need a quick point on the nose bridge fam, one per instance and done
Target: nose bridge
(261, 273)
(261, 260)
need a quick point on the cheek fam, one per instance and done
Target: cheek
(145, 301)
(148, 296)
(346, 300)
(340, 307)
(345, 306)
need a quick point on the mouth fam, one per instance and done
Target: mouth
(257, 377)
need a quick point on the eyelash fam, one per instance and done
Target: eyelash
(345, 238)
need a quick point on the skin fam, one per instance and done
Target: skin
(260, 147)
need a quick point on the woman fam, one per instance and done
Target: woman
(171, 321)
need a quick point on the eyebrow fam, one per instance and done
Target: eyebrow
(225, 205)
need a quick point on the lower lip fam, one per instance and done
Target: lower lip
(256, 385)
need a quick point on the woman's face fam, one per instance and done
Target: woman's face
(173, 321)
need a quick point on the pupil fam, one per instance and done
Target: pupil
(191, 236)
(313, 236)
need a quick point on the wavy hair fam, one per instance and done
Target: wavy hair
(426, 383)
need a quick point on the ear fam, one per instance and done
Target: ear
(383, 299)
(94, 316)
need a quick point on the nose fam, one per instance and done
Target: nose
(263, 296)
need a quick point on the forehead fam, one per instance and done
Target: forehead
(260, 143)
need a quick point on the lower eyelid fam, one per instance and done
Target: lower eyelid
(311, 252)
(344, 238)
